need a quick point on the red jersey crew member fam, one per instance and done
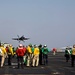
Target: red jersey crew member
(20, 53)
(54, 51)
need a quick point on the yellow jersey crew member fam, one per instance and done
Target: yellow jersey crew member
(36, 56)
(2, 55)
(29, 53)
(73, 56)
(10, 54)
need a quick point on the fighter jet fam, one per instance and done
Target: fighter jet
(22, 38)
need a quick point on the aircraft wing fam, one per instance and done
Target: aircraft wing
(15, 39)
(26, 38)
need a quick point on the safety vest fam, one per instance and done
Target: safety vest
(1, 53)
(36, 51)
(73, 51)
(29, 49)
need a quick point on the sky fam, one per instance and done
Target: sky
(50, 22)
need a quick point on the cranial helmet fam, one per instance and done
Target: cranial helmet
(20, 45)
(45, 45)
(35, 45)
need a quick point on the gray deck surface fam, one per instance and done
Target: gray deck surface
(57, 66)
